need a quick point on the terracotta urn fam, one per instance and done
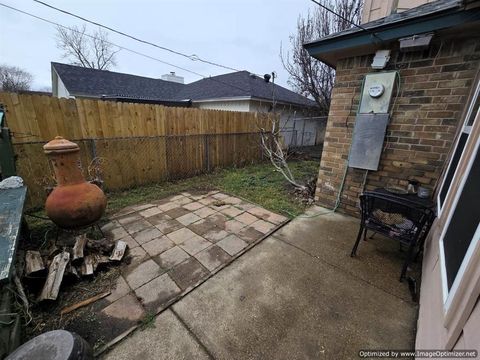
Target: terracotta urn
(74, 202)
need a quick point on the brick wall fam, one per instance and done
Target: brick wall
(433, 91)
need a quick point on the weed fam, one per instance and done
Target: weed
(148, 321)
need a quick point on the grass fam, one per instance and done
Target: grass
(148, 320)
(259, 183)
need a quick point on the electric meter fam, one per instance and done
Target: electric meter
(376, 90)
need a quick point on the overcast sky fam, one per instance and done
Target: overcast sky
(243, 34)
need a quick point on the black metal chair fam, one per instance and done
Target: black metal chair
(396, 218)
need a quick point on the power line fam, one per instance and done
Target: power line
(122, 47)
(343, 18)
(192, 57)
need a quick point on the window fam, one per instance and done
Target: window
(460, 145)
(463, 224)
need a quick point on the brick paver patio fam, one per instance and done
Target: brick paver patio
(174, 245)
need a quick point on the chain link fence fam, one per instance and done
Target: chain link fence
(123, 163)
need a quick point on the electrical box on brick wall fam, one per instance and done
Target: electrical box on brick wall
(377, 92)
(367, 141)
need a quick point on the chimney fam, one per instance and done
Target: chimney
(173, 77)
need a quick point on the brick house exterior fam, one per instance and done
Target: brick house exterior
(426, 112)
(426, 105)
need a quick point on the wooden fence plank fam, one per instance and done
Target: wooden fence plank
(136, 143)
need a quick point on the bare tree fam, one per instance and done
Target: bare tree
(273, 148)
(12, 78)
(309, 76)
(91, 51)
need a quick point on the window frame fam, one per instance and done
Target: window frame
(460, 299)
(466, 129)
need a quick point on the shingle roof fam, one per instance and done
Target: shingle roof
(416, 12)
(240, 84)
(95, 83)
(92, 82)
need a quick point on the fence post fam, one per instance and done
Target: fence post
(7, 156)
(207, 152)
(93, 147)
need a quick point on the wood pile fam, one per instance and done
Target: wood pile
(80, 260)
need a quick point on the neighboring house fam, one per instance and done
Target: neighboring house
(432, 136)
(238, 91)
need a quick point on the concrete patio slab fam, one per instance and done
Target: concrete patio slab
(181, 235)
(378, 260)
(279, 302)
(249, 234)
(194, 244)
(262, 226)
(176, 212)
(171, 250)
(188, 219)
(232, 244)
(166, 339)
(207, 201)
(184, 200)
(204, 212)
(150, 212)
(156, 294)
(193, 206)
(246, 218)
(215, 235)
(142, 274)
(202, 226)
(188, 273)
(233, 226)
(168, 206)
(146, 235)
(218, 219)
(115, 233)
(131, 243)
(212, 257)
(136, 256)
(155, 219)
(136, 226)
(231, 211)
(119, 290)
(172, 257)
(129, 218)
(168, 226)
(157, 246)
(295, 295)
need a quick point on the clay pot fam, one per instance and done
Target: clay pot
(74, 202)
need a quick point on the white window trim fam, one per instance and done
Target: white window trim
(465, 129)
(457, 301)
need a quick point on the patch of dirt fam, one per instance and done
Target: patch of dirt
(46, 315)
(307, 195)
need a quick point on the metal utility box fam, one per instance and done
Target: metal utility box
(377, 92)
(367, 141)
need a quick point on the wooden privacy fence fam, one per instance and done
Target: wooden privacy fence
(131, 144)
